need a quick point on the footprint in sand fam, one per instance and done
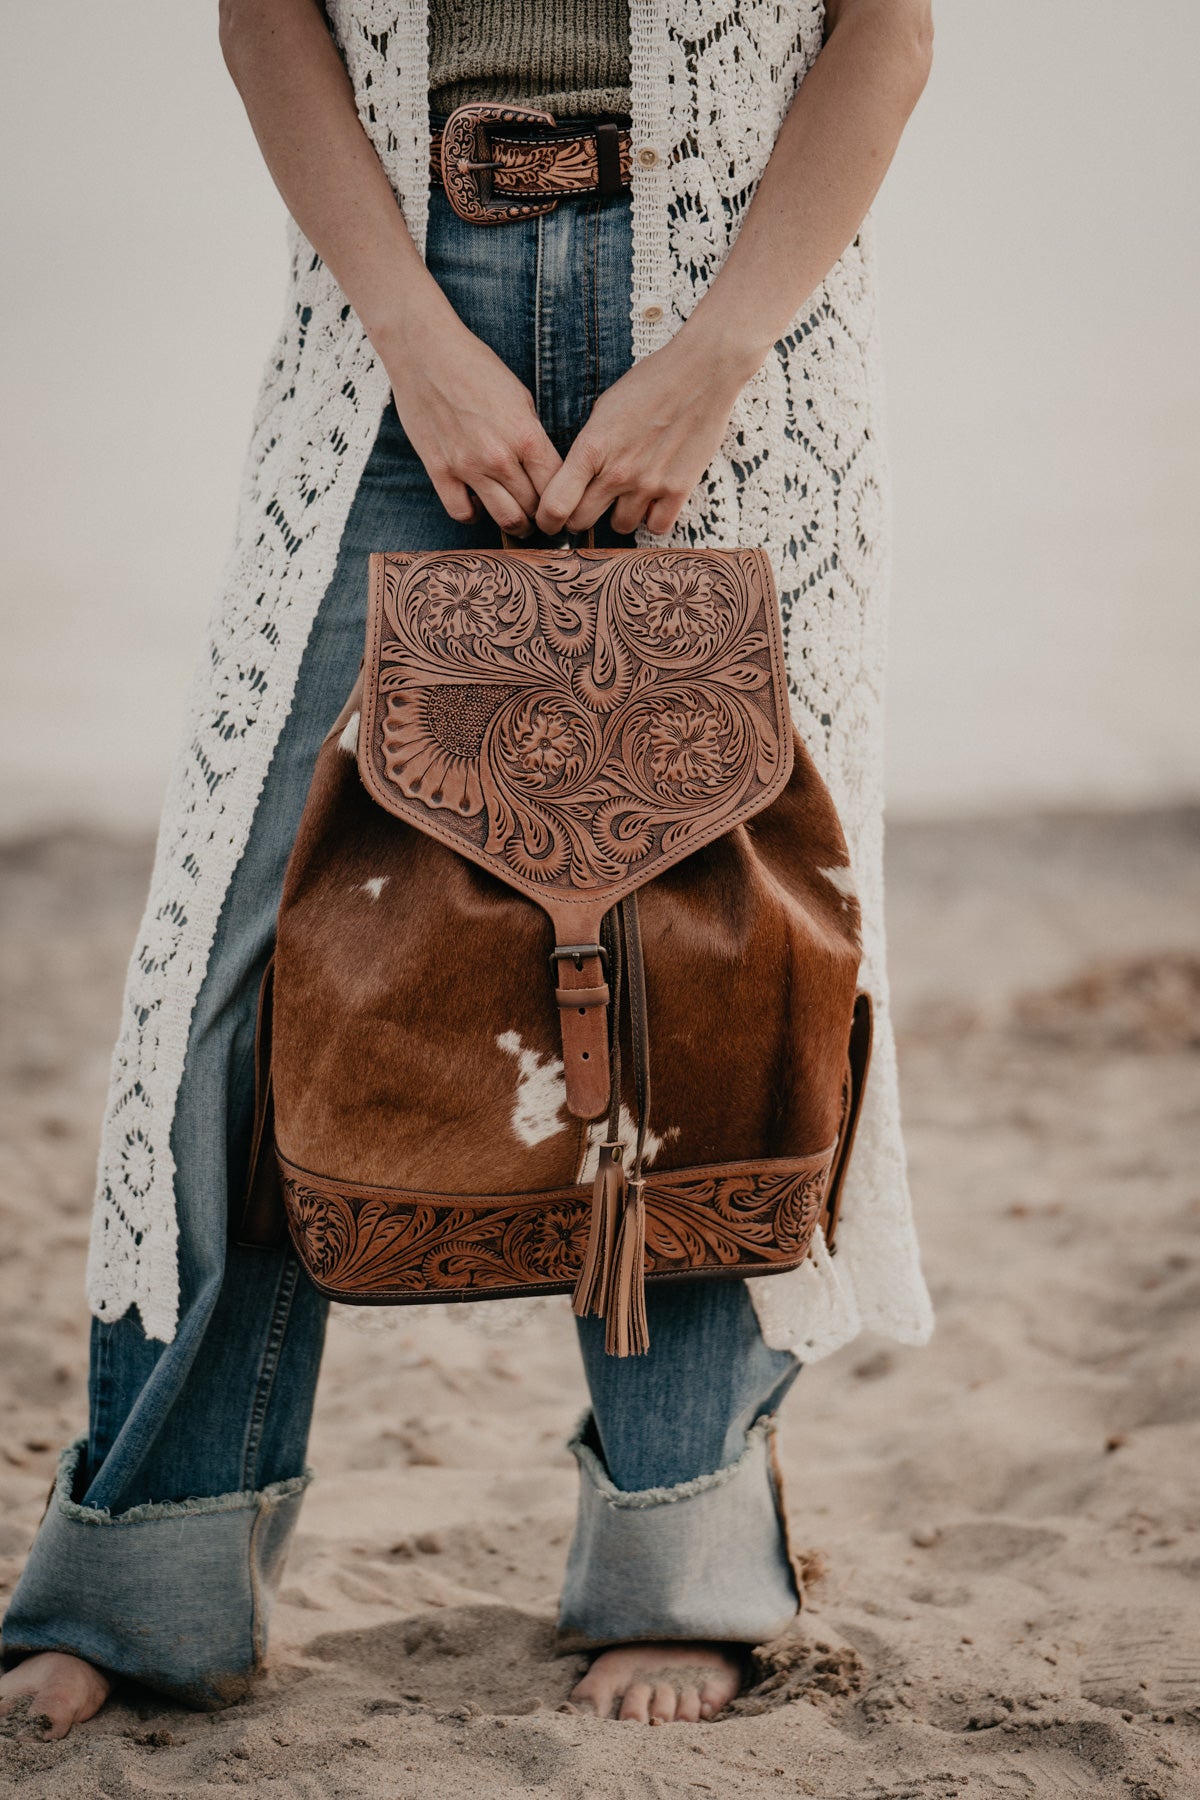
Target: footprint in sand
(495, 1658)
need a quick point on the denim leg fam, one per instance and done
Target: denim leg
(231, 1395)
(681, 1532)
(163, 1540)
(162, 1544)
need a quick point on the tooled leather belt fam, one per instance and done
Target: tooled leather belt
(495, 171)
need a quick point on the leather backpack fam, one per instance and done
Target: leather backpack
(563, 830)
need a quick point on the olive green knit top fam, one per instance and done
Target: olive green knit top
(565, 56)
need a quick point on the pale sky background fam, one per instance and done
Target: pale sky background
(1039, 261)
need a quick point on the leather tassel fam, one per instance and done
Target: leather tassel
(608, 1196)
(627, 1333)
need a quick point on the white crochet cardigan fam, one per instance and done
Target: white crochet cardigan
(802, 471)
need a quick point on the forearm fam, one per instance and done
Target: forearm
(830, 157)
(300, 104)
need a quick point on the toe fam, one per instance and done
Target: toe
(636, 1704)
(54, 1710)
(62, 1691)
(687, 1705)
(716, 1693)
(594, 1695)
(662, 1703)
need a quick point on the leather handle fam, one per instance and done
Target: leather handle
(858, 1061)
(631, 937)
(587, 540)
(262, 1224)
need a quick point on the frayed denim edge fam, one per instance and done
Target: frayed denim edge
(239, 1501)
(591, 1465)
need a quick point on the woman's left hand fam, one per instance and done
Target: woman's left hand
(649, 439)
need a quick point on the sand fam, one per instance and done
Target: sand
(1003, 1529)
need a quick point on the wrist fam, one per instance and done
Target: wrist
(726, 343)
(422, 327)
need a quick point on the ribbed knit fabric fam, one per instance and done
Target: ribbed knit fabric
(568, 57)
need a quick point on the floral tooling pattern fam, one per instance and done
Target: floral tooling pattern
(577, 720)
(364, 1243)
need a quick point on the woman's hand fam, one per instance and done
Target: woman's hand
(473, 425)
(650, 437)
(469, 419)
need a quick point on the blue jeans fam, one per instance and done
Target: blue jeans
(162, 1545)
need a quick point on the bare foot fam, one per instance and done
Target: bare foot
(62, 1690)
(656, 1683)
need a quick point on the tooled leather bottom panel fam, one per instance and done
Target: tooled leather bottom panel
(390, 1245)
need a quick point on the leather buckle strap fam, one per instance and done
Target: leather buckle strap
(492, 180)
(582, 995)
(612, 1281)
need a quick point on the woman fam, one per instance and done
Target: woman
(441, 376)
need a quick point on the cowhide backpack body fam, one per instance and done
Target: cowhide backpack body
(563, 823)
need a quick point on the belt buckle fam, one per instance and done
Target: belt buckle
(467, 163)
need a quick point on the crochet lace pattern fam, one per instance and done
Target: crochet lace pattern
(802, 472)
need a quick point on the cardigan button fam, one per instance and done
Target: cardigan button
(647, 156)
(652, 308)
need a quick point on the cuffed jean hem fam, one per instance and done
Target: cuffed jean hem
(174, 1594)
(708, 1560)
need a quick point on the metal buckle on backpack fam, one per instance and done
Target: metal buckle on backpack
(467, 162)
(577, 952)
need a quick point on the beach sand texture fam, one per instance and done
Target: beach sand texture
(1002, 1530)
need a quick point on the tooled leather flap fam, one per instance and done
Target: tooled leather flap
(576, 721)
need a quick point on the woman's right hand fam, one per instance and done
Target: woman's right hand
(473, 425)
(469, 419)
